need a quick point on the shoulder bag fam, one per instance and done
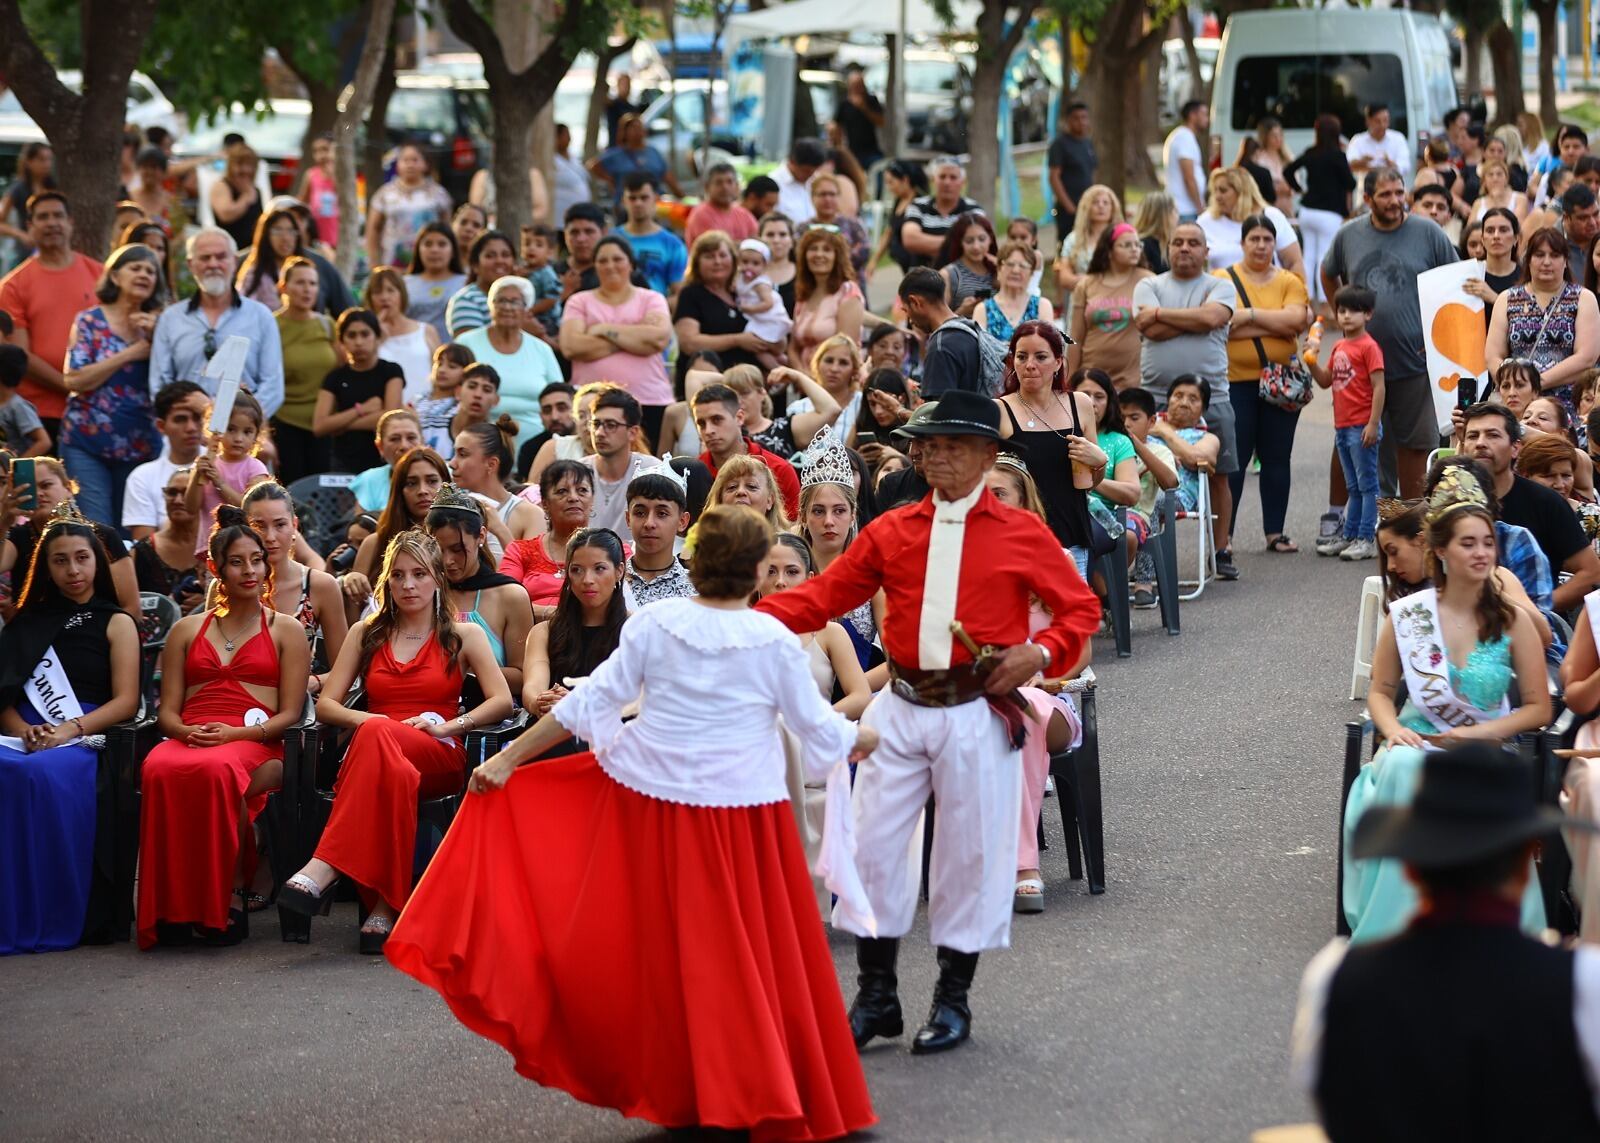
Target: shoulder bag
(1287, 387)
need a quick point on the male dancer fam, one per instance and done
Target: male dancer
(957, 569)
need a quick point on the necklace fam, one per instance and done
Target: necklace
(644, 572)
(227, 643)
(1034, 413)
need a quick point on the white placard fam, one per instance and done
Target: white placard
(226, 367)
(1453, 332)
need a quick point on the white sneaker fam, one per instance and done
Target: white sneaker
(1360, 550)
(1333, 547)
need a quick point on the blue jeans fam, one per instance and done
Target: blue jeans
(1360, 464)
(100, 484)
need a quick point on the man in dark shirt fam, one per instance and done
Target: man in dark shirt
(1072, 165)
(859, 117)
(619, 105)
(951, 361)
(908, 485)
(555, 410)
(1493, 437)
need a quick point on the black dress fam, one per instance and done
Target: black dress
(1066, 506)
(717, 318)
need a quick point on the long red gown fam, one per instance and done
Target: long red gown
(372, 833)
(189, 822)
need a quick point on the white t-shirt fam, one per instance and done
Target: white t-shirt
(611, 500)
(794, 196)
(1391, 152)
(143, 506)
(1224, 244)
(1182, 144)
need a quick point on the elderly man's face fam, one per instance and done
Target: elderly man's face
(211, 261)
(953, 465)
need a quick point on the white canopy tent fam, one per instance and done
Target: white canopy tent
(811, 17)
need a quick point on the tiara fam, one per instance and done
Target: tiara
(66, 513)
(1390, 508)
(825, 461)
(679, 478)
(458, 498)
(1457, 488)
(1012, 461)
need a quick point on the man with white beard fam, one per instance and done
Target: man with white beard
(189, 334)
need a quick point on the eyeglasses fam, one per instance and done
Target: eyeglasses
(210, 343)
(825, 227)
(607, 425)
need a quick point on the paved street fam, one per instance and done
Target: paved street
(1159, 1011)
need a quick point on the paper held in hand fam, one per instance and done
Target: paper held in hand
(226, 367)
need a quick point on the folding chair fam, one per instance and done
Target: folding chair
(1368, 619)
(324, 502)
(1206, 563)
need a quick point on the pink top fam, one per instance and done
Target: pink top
(237, 474)
(736, 222)
(818, 320)
(645, 376)
(322, 196)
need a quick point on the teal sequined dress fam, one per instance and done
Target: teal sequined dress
(1378, 900)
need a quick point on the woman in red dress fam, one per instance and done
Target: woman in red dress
(566, 491)
(413, 656)
(231, 684)
(637, 926)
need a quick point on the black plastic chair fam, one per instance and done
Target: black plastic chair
(1077, 775)
(1166, 559)
(324, 503)
(158, 614)
(1113, 568)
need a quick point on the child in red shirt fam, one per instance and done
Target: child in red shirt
(1355, 374)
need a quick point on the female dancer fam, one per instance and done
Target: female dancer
(747, 480)
(310, 596)
(231, 684)
(480, 595)
(413, 658)
(1460, 647)
(69, 637)
(418, 476)
(566, 489)
(587, 626)
(734, 1018)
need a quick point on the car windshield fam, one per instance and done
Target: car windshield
(1295, 89)
(422, 109)
(272, 134)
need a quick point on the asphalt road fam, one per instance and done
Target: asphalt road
(1158, 1011)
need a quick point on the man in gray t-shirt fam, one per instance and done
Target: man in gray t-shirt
(1384, 251)
(1183, 318)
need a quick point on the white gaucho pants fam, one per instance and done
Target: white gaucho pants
(960, 755)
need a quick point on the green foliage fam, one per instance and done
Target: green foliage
(57, 29)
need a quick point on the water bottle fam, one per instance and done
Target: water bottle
(1314, 341)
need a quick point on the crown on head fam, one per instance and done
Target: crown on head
(67, 513)
(454, 496)
(679, 478)
(825, 461)
(1457, 488)
(1390, 508)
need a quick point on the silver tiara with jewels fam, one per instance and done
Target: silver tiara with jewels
(825, 461)
(672, 474)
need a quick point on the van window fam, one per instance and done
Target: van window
(1295, 89)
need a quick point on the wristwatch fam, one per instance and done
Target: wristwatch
(1045, 651)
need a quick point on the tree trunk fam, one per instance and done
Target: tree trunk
(377, 132)
(1547, 62)
(1472, 47)
(1505, 63)
(374, 51)
(85, 130)
(1113, 77)
(988, 78)
(1199, 88)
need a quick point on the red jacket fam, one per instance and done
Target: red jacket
(1007, 555)
(782, 471)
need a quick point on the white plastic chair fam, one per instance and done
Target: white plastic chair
(1206, 561)
(1368, 618)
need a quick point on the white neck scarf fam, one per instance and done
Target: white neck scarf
(942, 580)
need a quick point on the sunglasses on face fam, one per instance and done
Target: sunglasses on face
(210, 345)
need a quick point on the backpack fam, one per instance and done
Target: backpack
(991, 353)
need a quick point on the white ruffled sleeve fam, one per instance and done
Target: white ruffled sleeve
(592, 710)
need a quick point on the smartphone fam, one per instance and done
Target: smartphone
(1467, 392)
(22, 476)
(983, 294)
(866, 438)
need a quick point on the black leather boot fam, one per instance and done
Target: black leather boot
(876, 1011)
(950, 1019)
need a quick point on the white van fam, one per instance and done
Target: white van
(1296, 64)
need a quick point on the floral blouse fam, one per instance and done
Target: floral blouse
(115, 422)
(1544, 335)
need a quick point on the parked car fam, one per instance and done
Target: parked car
(274, 132)
(449, 116)
(939, 98)
(146, 107)
(1177, 85)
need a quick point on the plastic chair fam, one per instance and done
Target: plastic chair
(1368, 619)
(159, 613)
(1206, 569)
(1077, 775)
(1166, 559)
(1113, 568)
(324, 502)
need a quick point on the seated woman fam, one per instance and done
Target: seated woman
(566, 492)
(793, 430)
(676, 838)
(418, 476)
(1010, 483)
(587, 625)
(747, 480)
(495, 603)
(1548, 417)
(310, 596)
(164, 560)
(232, 681)
(413, 658)
(1460, 647)
(69, 669)
(1553, 462)
(52, 487)
(483, 465)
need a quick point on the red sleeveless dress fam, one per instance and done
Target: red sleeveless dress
(189, 822)
(372, 832)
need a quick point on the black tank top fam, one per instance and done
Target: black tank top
(1050, 465)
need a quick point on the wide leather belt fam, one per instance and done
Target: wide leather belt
(953, 687)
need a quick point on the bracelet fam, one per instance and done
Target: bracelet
(78, 722)
(468, 722)
(263, 728)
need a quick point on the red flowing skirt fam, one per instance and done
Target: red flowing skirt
(661, 959)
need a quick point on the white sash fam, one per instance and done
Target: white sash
(50, 692)
(1426, 663)
(1591, 608)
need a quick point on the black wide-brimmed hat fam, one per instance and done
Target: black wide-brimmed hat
(1475, 801)
(959, 414)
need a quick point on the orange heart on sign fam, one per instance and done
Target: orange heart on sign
(1458, 333)
(1448, 384)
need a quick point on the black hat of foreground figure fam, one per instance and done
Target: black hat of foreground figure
(960, 414)
(1475, 801)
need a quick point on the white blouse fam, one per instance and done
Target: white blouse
(711, 685)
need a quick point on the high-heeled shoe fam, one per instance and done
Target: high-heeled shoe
(373, 939)
(237, 932)
(298, 901)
